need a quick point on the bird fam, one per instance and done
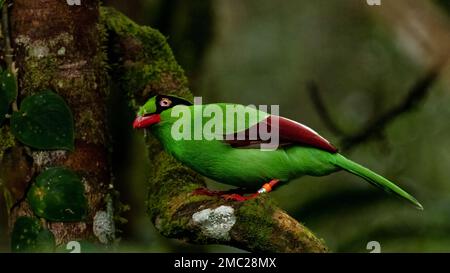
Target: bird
(241, 162)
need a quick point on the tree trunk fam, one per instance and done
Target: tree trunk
(59, 47)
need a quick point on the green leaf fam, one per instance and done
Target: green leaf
(45, 241)
(29, 236)
(44, 122)
(8, 92)
(58, 195)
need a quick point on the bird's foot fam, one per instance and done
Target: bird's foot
(237, 194)
(238, 197)
(232, 195)
(264, 189)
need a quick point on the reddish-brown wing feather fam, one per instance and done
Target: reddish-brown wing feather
(290, 133)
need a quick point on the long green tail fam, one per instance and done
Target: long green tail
(374, 179)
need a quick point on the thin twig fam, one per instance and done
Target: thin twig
(373, 128)
(322, 110)
(416, 94)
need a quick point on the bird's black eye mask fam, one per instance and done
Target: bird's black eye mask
(166, 102)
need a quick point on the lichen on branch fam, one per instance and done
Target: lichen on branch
(143, 65)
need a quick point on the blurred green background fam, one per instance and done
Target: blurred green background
(364, 60)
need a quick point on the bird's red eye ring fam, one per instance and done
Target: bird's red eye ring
(165, 102)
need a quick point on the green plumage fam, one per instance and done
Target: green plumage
(250, 168)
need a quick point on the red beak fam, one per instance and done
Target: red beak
(146, 121)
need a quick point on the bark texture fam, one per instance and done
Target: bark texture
(59, 47)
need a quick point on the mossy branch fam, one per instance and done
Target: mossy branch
(143, 65)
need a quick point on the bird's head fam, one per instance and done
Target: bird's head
(150, 112)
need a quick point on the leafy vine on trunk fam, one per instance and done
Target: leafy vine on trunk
(62, 81)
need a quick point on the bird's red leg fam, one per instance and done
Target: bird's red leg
(232, 195)
(265, 189)
(268, 186)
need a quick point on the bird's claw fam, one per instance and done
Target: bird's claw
(224, 194)
(238, 197)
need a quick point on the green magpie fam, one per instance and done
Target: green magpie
(224, 157)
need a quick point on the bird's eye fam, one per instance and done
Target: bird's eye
(165, 102)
